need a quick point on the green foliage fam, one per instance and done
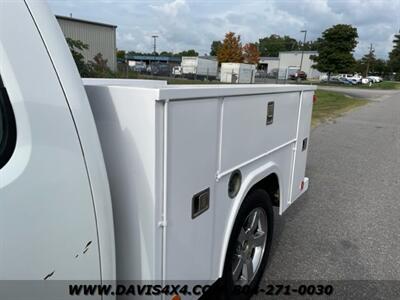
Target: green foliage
(380, 67)
(336, 49)
(394, 56)
(190, 52)
(166, 53)
(214, 47)
(121, 55)
(76, 47)
(98, 67)
(272, 45)
(134, 53)
(366, 64)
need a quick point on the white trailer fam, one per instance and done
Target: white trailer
(238, 73)
(143, 180)
(199, 67)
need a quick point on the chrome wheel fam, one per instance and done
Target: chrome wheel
(251, 244)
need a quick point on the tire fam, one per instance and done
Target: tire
(242, 250)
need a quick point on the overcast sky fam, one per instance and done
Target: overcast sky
(187, 24)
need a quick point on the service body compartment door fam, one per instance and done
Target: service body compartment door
(298, 183)
(191, 168)
(249, 132)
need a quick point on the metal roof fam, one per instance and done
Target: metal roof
(84, 21)
(299, 51)
(269, 58)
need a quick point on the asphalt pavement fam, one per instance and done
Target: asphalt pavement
(347, 225)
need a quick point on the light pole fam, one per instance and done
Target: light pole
(154, 44)
(302, 50)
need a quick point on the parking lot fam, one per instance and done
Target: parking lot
(346, 227)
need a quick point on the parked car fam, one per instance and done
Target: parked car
(140, 68)
(159, 69)
(366, 81)
(298, 75)
(375, 79)
(351, 78)
(177, 71)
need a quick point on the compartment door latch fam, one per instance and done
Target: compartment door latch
(270, 113)
(200, 202)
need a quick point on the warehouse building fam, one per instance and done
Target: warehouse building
(290, 61)
(268, 64)
(100, 37)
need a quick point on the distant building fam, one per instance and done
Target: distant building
(268, 64)
(290, 61)
(100, 37)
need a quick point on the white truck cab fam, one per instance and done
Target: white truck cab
(115, 179)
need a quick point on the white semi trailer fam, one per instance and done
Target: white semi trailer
(199, 67)
(238, 73)
(136, 180)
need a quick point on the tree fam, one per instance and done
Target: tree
(381, 67)
(121, 55)
(230, 49)
(98, 67)
(190, 52)
(272, 45)
(251, 55)
(335, 49)
(394, 56)
(369, 61)
(76, 47)
(166, 53)
(214, 47)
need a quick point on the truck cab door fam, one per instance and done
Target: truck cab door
(47, 219)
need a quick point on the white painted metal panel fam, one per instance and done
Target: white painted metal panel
(301, 154)
(175, 139)
(71, 83)
(278, 162)
(47, 215)
(126, 121)
(191, 167)
(125, 82)
(245, 134)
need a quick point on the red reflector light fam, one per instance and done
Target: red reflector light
(314, 99)
(302, 185)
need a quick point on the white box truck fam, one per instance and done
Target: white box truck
(238, 73)
(136, 180)
(200, 67)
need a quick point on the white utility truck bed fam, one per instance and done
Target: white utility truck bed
(165, 144)
(106, 180)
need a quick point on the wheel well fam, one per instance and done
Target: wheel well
(270, 184)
